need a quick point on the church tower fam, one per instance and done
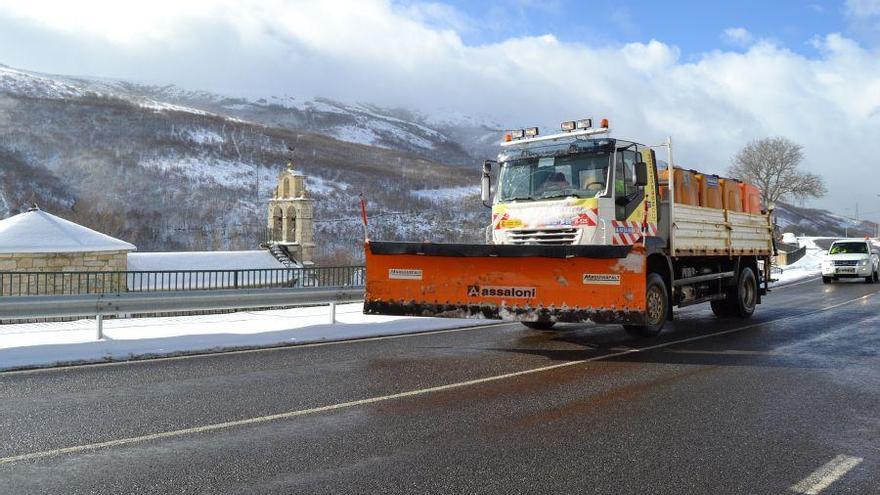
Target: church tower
(290, 217)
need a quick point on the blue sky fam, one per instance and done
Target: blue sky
(693, 26)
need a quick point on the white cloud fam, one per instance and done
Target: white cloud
(863, 18)
(862, 8)
(440, 15)
(412, 55)
(737, 36)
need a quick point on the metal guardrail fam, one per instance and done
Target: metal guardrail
(115, 304)
(79, 282)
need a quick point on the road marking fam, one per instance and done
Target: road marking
(827, 474)
(384, 398)
(280, 347)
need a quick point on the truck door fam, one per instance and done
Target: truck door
(628, 197)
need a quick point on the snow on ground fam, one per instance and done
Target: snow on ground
(160, 106)
(203, 260)
(315, 184)
(35, 85)
(388, 128)
(208, 170)
(448, 194)
(355, 134)
(243, 269)
(204, 136)
(808, 266)
(42, 344)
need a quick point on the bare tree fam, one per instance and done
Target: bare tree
(773, 164)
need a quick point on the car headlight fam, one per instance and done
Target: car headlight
(863, 263)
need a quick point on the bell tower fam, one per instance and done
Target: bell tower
(290, 222)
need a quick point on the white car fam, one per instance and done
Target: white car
(851, 258)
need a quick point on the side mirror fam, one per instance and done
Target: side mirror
(486, 183)
(641, 174)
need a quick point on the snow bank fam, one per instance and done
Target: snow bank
(808, 266)
(43, 344)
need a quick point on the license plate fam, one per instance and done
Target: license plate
(846, 270)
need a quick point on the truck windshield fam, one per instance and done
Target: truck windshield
(849, 248)
(582, 175)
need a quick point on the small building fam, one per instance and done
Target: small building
(39, 242)
(290, 223)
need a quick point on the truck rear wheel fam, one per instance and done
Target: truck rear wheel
(741, 298)
(656, 308)
(539, 325)
(747, 293)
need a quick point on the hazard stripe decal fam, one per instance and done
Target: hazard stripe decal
(626, 233)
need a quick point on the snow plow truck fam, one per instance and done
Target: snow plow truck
(586, 227)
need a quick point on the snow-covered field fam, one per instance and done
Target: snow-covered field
(44, 344)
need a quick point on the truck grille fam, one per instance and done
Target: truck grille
(846, 263)
(547, 237)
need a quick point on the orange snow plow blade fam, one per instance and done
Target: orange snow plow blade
(527, 283)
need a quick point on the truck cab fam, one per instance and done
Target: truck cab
(582, 191)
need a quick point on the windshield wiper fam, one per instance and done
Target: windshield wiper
(518, 198)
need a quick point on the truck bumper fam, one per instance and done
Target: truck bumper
(525, 283)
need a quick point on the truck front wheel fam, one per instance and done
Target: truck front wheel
(656, 308)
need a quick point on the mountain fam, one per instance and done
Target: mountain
(813, 222)
(168, 176)
(452, 138)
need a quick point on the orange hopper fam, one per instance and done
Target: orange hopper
(710, 191)
(751, 197)
(686, 188)
(731, 194)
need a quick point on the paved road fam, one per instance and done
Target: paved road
(710, 406)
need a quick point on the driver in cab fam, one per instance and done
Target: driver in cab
(555, 182)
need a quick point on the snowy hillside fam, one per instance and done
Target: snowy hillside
(451, 137)
(814, 222)
(168, 175)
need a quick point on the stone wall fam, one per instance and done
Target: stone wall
(62, 273)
